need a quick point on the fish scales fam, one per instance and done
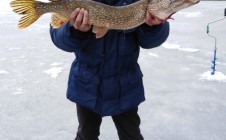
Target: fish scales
(100, 15)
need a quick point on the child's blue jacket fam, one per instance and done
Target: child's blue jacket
(105, 76)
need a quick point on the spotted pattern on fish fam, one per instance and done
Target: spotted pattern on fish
(100, 15)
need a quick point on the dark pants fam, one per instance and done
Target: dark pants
(127, 125)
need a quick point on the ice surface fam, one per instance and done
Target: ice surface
(183, 100)
(153, 54)
(178, 47)
(218, 76)
(192, 14)
(4, 72)
(53, 72)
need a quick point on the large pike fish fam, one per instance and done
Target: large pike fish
(101, 16)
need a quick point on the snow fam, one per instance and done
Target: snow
(192, 14)
(153, 54)
(4, 72)
(12, 49)
(176, 46)
(53, 72)
(170, 46)
(218, 76)
(18, 91)
(183, 100)
(55, 64)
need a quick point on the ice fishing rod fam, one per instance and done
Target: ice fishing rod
(213, 67)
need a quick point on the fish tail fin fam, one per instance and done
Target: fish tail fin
(27, 8)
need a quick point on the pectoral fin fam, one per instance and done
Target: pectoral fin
(57, 20)
(100, 31)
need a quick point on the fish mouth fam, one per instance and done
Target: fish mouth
(195, 1)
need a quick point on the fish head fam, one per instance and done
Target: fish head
(164, 9)
(181, 4)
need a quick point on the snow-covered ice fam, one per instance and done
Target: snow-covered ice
(4, 72)
(217, 76)
(192, 14)
(183, 100)
(55, 64)
(153, 54)
(53, 72)
(170, 45)
(176, 46)
(18, 91)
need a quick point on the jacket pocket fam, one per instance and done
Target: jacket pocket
(130, 82)
(85, 90)
(132, 90)
(83, 86)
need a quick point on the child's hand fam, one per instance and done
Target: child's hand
(151, 20)
(79, 19)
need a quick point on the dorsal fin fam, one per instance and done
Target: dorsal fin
(57, 20)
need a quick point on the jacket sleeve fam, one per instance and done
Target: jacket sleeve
(69, 39)
(152, 36)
